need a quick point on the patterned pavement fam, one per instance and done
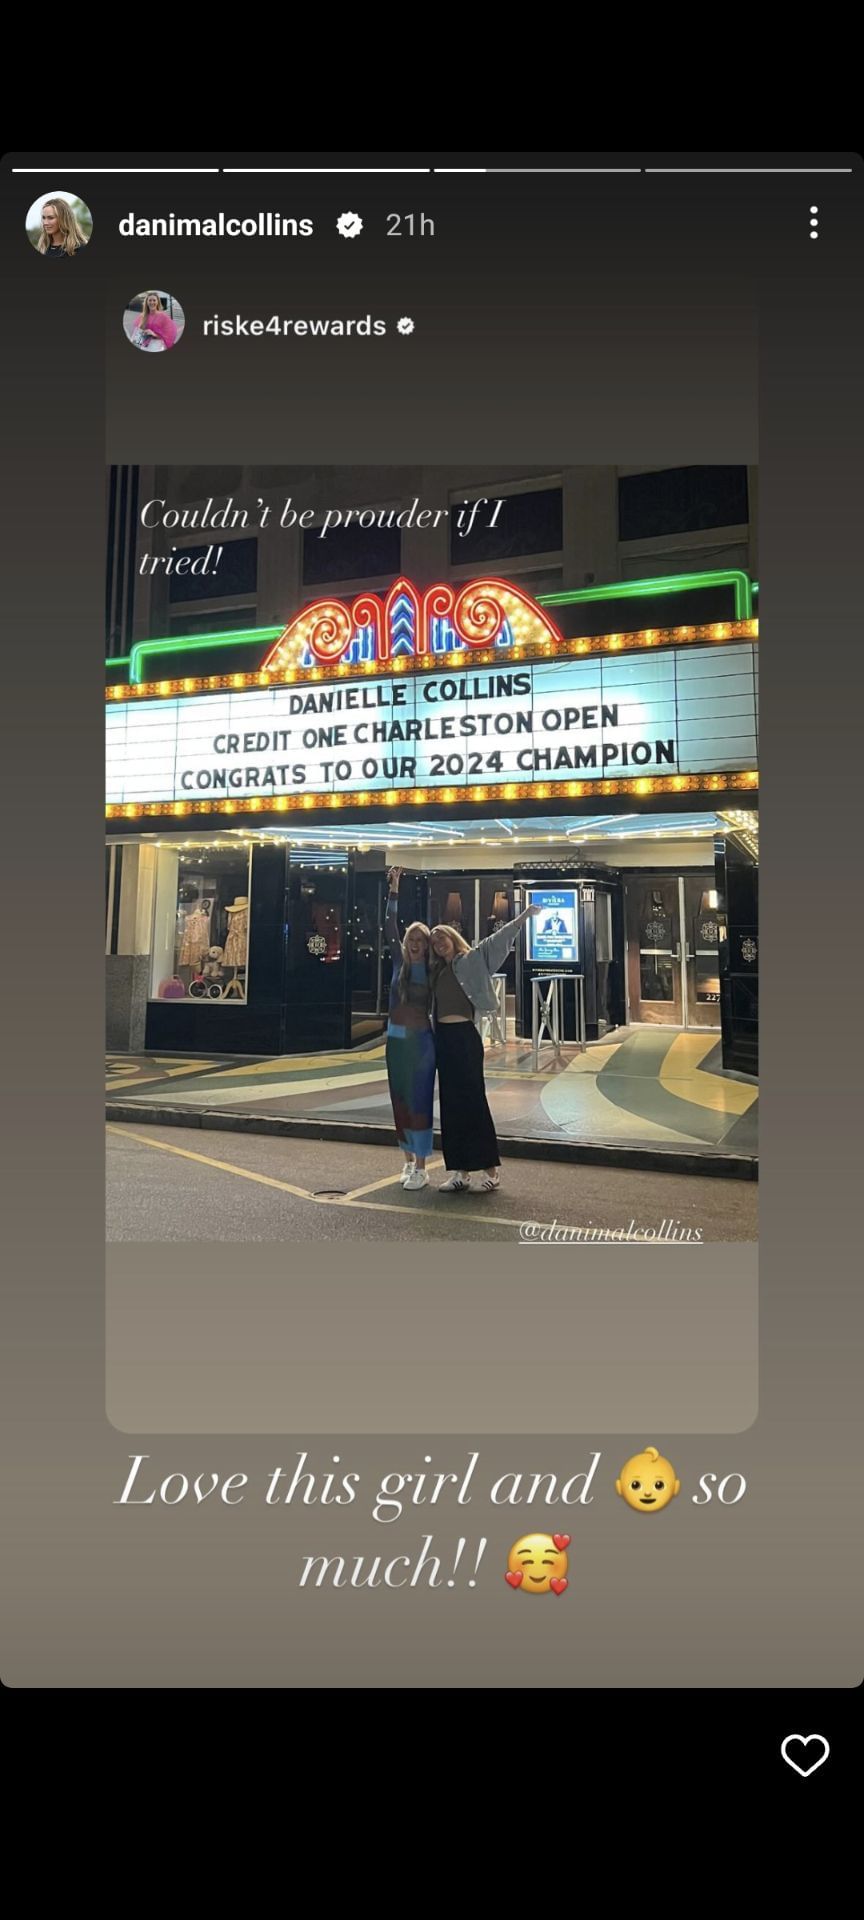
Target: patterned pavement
(646, 1086)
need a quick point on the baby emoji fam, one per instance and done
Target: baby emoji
(648, 1482)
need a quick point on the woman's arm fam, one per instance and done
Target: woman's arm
(391, 917)
(496, 946)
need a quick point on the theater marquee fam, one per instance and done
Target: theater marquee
(673, 712)
(455, 692)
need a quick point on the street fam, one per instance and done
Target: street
(178, 1183)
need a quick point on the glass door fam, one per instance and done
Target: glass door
(701, 949)
(317, 1008)
(368, 1000)
(673, 933)
(654, 973)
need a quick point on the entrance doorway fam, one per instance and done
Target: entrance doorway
(368, 995)
(673, 934)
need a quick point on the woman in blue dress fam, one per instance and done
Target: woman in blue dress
(410, 1046)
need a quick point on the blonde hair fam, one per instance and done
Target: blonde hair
(417, 926)
(70, 237)
(146, 307)
(438, 964)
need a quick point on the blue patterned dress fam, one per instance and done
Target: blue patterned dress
(410, 1049)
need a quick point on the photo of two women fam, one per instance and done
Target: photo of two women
(439, 986)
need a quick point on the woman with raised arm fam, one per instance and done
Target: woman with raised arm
(410, 1046)
(462, 987)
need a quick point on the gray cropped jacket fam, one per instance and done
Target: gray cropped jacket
(474, 970)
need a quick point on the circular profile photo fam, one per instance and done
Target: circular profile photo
(154, 321)
(59, 225)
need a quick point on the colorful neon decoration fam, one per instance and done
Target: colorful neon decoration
(739, 583)
(408, 623)
(719, 633)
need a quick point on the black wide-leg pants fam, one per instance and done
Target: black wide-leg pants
(468, 1137)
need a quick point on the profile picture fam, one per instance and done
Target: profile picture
(154, 321)
(59, 225)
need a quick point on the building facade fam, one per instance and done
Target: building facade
(502, 683)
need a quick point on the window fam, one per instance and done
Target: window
(201, 925)
(525, 523)
(350, 553)
(681, 500)
(236, 571)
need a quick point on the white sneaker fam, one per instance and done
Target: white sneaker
(490, 1182)
(417, 1178)
(408, 1168)
(457, 1183)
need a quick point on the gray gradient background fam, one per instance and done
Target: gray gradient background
(451, 1339)
(624, 330)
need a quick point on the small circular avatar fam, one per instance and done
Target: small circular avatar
(538, 1563)
(648, 1482)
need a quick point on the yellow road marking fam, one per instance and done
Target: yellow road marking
(204, 1160)
(320, 1200)
(484, 1220)
(503, 1220)
(680, 1075)
(431, 1166)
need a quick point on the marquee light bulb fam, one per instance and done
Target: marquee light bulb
(280, 672)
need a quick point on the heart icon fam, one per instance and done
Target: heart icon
(806, 1740)
(559, 1586)
(514, 1579)
(561, 1540)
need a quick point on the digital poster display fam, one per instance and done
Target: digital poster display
(553, 934)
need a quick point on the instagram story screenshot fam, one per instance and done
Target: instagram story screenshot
(415, 1208)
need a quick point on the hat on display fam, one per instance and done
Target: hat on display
(241, 900)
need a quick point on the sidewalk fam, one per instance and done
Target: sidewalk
(648, 1097)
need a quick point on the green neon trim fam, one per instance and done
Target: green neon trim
(665, 583)
(118, 660)
(247, 637)
(618, 590)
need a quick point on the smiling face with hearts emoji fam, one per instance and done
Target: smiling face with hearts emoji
(538, 1563)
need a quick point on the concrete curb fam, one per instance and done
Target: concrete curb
(723, 1166)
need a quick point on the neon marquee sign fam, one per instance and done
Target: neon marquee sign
(408, 621)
